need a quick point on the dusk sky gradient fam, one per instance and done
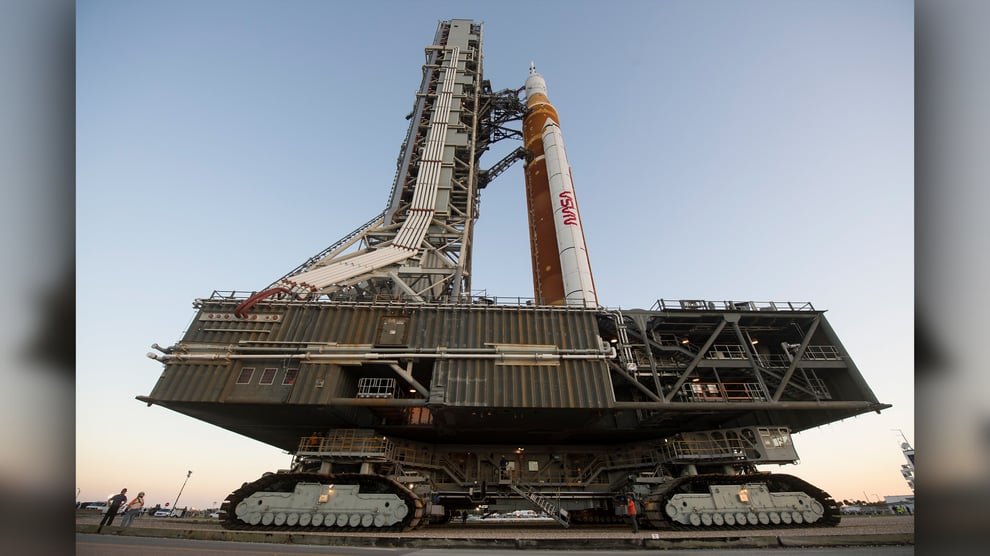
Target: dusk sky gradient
(721, 150)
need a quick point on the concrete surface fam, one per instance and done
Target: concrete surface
(853, 531)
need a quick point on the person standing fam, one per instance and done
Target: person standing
(113, 506)
(132, 510)
(631, 511)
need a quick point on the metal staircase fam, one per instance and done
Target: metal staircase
(545, 505)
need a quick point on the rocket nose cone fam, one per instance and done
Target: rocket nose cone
(535, 84)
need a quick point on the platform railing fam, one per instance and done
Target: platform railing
(481, 298)
(707, 305)
(680, 449)
(349, 444)
(723, 392)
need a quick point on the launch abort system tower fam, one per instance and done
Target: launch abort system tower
(404, 398)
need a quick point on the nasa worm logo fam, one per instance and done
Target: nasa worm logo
(568, 206)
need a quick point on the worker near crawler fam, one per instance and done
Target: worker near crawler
(631, 511)
(113, 506)
(132, 510)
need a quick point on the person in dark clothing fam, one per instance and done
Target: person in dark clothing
(113, 506)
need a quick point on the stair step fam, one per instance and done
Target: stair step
(548, 507)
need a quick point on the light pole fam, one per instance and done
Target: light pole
(176, 503)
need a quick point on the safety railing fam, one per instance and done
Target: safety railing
(723, 392)
(375, 387)
(680, 449)
(706, 305)
(822, 353)
(727, 351)
(348, 444)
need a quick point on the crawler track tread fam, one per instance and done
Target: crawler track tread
(655, 516)
(285, 482)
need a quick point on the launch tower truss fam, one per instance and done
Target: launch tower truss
(419, 248)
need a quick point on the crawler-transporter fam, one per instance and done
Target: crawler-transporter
(406, 398)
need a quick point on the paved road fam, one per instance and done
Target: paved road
(852, 525)
(104, 545)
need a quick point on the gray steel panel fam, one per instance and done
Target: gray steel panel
(317, 384)
(193, 383)
(572, 384)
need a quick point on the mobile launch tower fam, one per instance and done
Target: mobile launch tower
(405, 399)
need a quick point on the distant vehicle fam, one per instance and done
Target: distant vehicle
(218, 514)
(523, 513)
(162, 513)
(520, 514)
(166, 512)
(865, 509)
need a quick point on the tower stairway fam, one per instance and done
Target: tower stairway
(544, 504)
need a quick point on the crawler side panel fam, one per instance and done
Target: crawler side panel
(293, 368)
(496, 373)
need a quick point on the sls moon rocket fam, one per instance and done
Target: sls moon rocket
(561, 269)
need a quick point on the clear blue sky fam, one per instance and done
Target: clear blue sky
(720, 150)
